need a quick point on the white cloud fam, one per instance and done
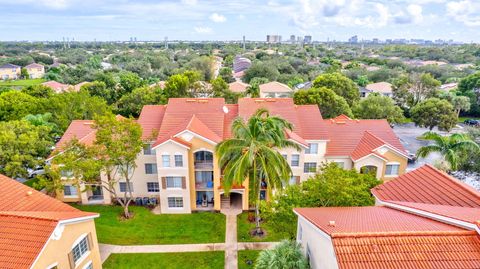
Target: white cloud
(466, 12)
(189, 2)
(203, 30)
(215, 17)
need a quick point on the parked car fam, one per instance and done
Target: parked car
(412, 158)
(35, 172)
(472, 122)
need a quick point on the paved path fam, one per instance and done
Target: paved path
(231, 246)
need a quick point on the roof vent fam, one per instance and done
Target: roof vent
(331, 223)
(203, 101)
(29, 193)
(225, 109)
(191, 100)
(341, 122)
(271, 100)
(259, 100)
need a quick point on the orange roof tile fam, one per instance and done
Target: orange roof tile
(275, 86)
(430, 186)
(197, 126)
(27, 219)
(238, 86)
(367, 145)
(150, 119)
(78, 129)
(346, 134)
(380, 87)
(451, 250)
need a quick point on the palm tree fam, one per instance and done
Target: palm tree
(251, 153)
(286, 255)
(448, 146)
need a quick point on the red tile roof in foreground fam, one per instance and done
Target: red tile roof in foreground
(367, 145)
(27, 220)
(346, 134)
(467, 214)
(428, 185)
(383, 238)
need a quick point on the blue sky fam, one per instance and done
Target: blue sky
(229, 20)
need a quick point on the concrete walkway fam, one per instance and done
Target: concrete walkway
(231, 245)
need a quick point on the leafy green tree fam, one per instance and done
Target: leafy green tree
(470, 87)
(434, 112)
(251, 154)
(99, 88)
(376, 106)
(177, 86)
(15, 105)
(43, 120)
(226, 74)
(22, 146)
(362, 81)
(330, 186)
(286, 255)
(24, 73)
(423, 86)
(340, 84)
(461, 103)
(329, 103)
(130, 81)
(220, 89)
(261, 70)
(39, 91)
(132, 103)
(450, 147)
(119, 141)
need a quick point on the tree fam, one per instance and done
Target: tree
(434, 112)
(461, 103)
(470, 87)
(24, 73)
(340, 84)
(450, 147)
(22, 146)
(99, 88)
(43, 120)
(286, 255)
(132, 103)
(251, 154)
(329, 103)
(423, 86)
(362, 81)
(378, 107)
(15, 105)
(130, 81)
(220, 89)
(330, 186)
(119, 141)
(177, 86)
(226, 74)
(39, 91)
(261, 70)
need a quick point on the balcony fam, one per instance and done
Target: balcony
(203, 165)
(204, 185)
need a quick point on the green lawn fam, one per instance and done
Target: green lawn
(22, 82)
(30, 182)
(146, 228)
(244, 228)
(187, 260)
(247, 255)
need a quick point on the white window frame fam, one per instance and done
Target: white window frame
(148, 151)
(70, 195)
(309, 172)
(308, 150)
(175, 197)
(165, 160)
(120, 188)
(154, 168)
(157, 187)
(85, 254)
(340, 164)
(175, 160)
(174, 185)
(392, 164)
(298, 161)
(89, 263)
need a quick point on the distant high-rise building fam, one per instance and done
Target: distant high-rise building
(375, 41)
(307, 39)
(273, 39)
(166, 42)
(243, 42)
(292, 39)
(353, 39)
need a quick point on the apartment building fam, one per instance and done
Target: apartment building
(178, 165)
(35, 70)
(9, 71)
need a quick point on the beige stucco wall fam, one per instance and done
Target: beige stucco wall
(394, 157)
(347, 161)
(322, 254)
(36, 72)
(56, 251)
(9, 73)
(371, 160)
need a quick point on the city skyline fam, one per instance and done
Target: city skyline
(198, 20)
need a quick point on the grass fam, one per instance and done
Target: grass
(247, 255)
(30, 182)
(22, 82)
(462, 119)
(186, 260)
(147, 228)
(245, 226)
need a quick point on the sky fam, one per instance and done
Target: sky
(111, 20)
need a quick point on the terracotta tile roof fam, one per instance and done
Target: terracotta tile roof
(79, 129)
(34, 65)
(197, 126)
(342, 117)
(345, 134)
(467, 214)
(451, 250)
(27, 219)
(274, 86)
(380, 87)
(370, 220)
(57, 86)
(150, 119)
(367, 145)
(238, 86)
(229, 118)
(430, 186)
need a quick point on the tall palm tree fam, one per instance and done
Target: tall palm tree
(251, 153)
(448, 146)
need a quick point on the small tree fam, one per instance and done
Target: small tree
(378, 107)
(24, 73)
(434, 112)
(286, 255)
(461, 103)
(329, 103)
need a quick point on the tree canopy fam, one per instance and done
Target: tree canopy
(378, 107)
(340, 84)
(329, 103)
(434, 112)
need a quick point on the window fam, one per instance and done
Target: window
(284, 156)
(70, 190)
(309, 167)
(166, 160)
(123, 186)
(295, 160)
(392, 169)
(178, 161)
(80, 249)
(175, 202)
(312, 148)
(174, 182)
(340, 164)
(153, 187)
(150, 168)
(147, 150)
(89, 266)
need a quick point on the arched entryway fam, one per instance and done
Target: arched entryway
(369, 169)
(233, 201)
